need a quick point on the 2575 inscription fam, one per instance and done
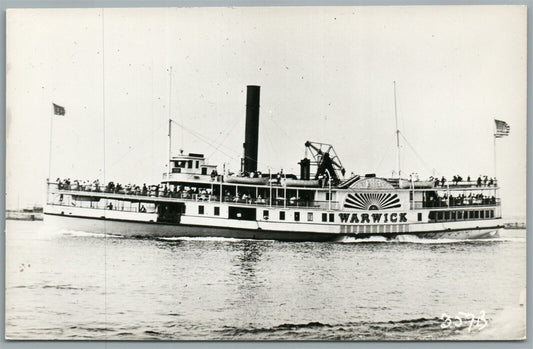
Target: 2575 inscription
(474, 322)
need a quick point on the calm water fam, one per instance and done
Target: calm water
(74, 285)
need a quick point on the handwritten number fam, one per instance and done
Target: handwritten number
(447, 320)
(467, 316)
(482, 318)
(474, 322)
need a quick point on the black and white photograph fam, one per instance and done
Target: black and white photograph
(307, 173)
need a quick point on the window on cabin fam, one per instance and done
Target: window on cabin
(332, 217)
(324, 217)
(327, 196)
(217, 211)
(265, 214)
(482, 214)
(200, 209)
(282, 215)
(476, 214)
(204, 170)
(197, 163)
(309, 216)
(297, 216)
(420, 217)
(446, 215)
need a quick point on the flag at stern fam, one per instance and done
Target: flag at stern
(502, 129)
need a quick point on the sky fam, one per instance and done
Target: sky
(326, 75)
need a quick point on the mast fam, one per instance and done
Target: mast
(397, 133)
(169, 123)
(494, 149)
(50, 153)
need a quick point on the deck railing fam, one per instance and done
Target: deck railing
(167, 197)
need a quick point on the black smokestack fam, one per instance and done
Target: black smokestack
(252, 129)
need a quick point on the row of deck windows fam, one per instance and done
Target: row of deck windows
(216, 210)
(440, 216)
(297, 217)
(186, 164)
(266, 214)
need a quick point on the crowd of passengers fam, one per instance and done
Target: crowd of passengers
(482, 181)
(129, 189)
(164, 191)
(206, 194)
(459, 200)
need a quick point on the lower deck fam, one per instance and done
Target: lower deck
(214, 217)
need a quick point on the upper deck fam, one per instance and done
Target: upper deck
(366, 194)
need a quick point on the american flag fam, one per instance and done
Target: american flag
(502, 129)
(58, 110)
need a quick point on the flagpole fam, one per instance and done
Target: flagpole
(397, 133)
(50, 145)
(169, 162)
(494, 148)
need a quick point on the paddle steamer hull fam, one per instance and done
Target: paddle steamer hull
(146, 225)
(321, 204)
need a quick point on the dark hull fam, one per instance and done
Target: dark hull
(158, 229)
(161, 229)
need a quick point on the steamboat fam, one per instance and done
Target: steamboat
(321, 204)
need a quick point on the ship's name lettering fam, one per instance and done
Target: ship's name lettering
(373, 217)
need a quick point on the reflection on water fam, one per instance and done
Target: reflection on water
(72, 285)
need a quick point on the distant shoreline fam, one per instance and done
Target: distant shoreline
(25, 215)
(515, 225)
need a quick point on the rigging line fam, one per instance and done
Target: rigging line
(230, 128)
(282, 130)
(205, 139)
(429, 168)
(200, 137)
(385, 153)
(139, 145)
(221, 144)
(269, 139)
(229, 131)
(291, 139)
